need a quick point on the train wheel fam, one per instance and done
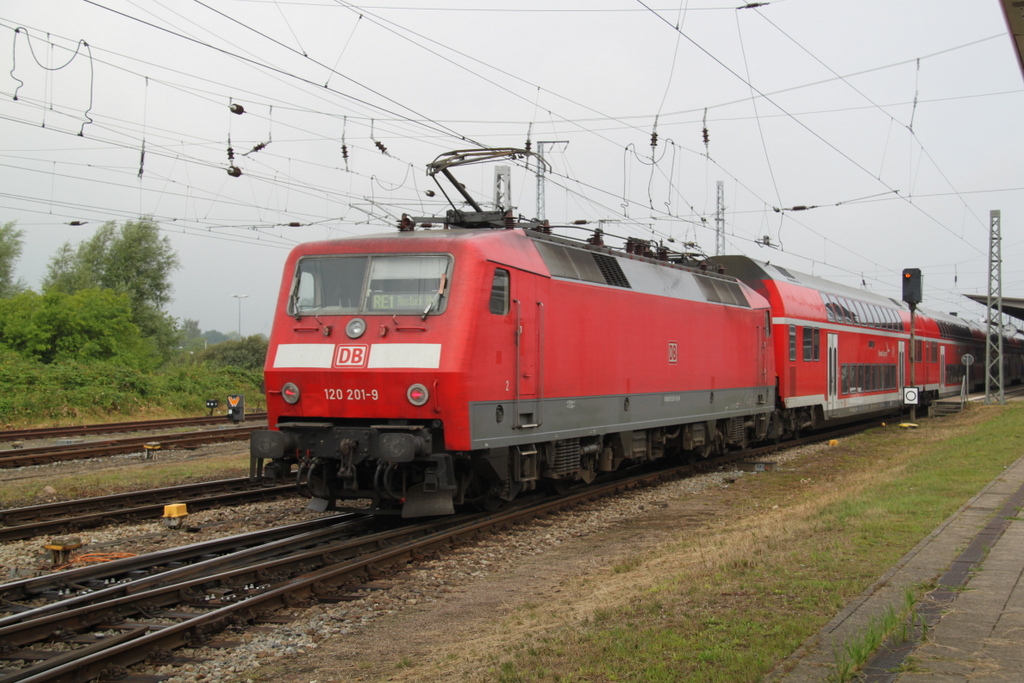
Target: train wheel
(561, 486)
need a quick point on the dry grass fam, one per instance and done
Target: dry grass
(106, 476)
(728, 599)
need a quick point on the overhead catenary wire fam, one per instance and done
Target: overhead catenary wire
(568, 180)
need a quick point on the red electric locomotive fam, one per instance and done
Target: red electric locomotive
(424, 369)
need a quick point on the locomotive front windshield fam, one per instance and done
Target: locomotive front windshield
(385, 284)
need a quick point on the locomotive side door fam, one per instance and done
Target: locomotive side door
(832, 400)
(529, 316)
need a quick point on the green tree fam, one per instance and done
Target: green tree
(93, 324)
(248, 354)
(215, 337)
(133, 260)
(10, 252)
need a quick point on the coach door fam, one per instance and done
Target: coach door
(832, 401)
(903, 367)
(529, 380)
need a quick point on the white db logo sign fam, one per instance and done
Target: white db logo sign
(351, 356)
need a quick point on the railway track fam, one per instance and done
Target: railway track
(116, 427)
(73, 630)
(84, 513)
(23, 457)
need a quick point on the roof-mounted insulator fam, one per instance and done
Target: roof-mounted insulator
(237, 108)
(510, 220)
(597, 239)
(406, 224)
(705, 130)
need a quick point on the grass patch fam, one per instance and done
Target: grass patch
(79, 392)
(119, 479)
(856, 651)
(730, 605)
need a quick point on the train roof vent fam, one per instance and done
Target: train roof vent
(611, 270)
(785, 272)
(722, 291)
(581, 264)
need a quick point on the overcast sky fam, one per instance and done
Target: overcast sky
(896, 122)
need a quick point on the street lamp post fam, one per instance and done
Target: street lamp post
(240, 297)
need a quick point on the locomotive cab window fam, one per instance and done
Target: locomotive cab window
(499, 292)
(344, 285)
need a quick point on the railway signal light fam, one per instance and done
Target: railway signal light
(912, 285)
(236, 407)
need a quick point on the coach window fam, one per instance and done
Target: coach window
(848, 314)
(862, 316)
(499, 292)
(830, 308)
(792, 342)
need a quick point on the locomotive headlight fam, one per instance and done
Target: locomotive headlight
(355, 328)
(417, 394)
(290, 393)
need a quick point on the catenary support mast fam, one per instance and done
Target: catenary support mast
(994, 328)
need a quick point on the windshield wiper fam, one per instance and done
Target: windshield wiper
(437, 295)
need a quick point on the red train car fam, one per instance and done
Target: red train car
(840, 352)
(426, 369)
(843, 352)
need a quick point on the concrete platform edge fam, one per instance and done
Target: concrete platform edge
(811, 659)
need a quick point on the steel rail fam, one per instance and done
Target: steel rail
(239, 606)
(73, 515)
(21, 457)
(89, 578)
(115, 427)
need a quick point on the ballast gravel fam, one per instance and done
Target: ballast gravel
(242, 652)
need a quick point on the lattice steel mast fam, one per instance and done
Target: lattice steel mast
(994, 328)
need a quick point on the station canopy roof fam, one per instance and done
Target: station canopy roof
(1014, 12)
(1011, 306)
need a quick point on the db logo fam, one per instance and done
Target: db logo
(351, 356)
(673, 352)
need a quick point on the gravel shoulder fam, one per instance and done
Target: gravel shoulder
(443, 618)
